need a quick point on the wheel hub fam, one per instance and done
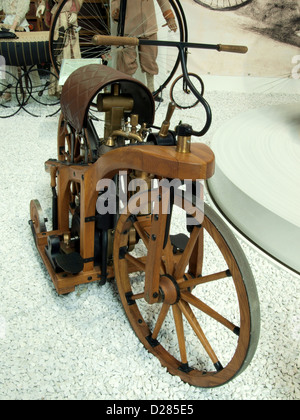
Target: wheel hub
(169, 289)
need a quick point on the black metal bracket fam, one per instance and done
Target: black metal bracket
(122, 252)
(87, 260)
(152, 341)
(128, 296)
(184, 367)
(90, 219)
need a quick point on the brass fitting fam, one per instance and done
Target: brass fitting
(114, 105)
(110, 142)
(183, 144)
(184, 133)
(166, 124)
(130, 136)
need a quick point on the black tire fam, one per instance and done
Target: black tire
(9, 104)
(223, 4)
(36, 92)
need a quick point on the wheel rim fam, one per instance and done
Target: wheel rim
(224, 354)
(69, 143)
(8, 83)
(36, 216)
(223, 4)
(36, 92)
(180, 93)
(167, 63)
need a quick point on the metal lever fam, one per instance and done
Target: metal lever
(166, 124)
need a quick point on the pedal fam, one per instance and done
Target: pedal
(70, 263)
(179, 242)
(52, 250)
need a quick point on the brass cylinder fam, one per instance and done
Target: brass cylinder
(114, 106)
(183, 144)
(134, 120)
(105, 102)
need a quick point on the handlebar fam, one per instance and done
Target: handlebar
(115, 40)
(133, 41)
(182, 46)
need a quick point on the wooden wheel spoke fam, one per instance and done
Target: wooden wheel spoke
(184, 260)
(142, 233)
(188, 313)
(168, 258)
(155, 250)
(193, 300)
(177, 314)
(196, 260)
(137, 296)
(192, 282)
(161, 317)
(136, 262)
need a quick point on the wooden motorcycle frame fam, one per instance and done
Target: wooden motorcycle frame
(158, 273)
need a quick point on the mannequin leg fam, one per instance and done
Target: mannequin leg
(150, 81)
(148, 56)
(127, 61)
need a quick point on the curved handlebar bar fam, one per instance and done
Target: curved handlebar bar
(132, 41)
(128, 40)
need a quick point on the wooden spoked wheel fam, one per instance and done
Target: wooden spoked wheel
(75, 148)
(68, 143)
(68, 151)
(37, 220)
(205, 326)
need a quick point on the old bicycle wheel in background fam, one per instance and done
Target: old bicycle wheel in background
(223, 4)
(181, 94)
(9, 104)
(206, 291)
(36, 92)
(94, 17)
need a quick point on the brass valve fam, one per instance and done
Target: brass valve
(166, 124)
(114, 105)
(184, 133)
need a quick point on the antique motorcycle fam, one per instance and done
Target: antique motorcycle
(128, 205)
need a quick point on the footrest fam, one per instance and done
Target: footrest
(70, 263)
(179, 241)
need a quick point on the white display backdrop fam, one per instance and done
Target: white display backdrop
(256, 184)
(267, 32)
